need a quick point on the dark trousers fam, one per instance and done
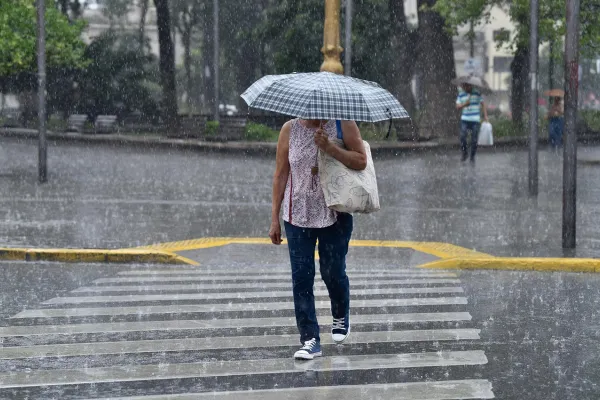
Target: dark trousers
(333, 247)
(555, 126)
(465, 127)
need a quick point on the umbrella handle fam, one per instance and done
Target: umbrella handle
(390, 127)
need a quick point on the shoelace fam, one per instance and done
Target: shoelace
(309, 344)
(338, 323)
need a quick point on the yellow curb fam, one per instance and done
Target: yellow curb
(519, 264)
(441, 250)
(93, 255)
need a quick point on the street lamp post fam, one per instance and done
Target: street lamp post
(331, 38)
(216, 57)
(533, 98)
(41, 58)
(348, 43)
(570, 143)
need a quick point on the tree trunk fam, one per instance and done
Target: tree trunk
(438, 116)
(520, 77)
(75, 9)
(248, 67)
(167, 65)
(187, 63)
(401, 47)
(64, 7)
(143, 13)
(208, 75)
(2, 95)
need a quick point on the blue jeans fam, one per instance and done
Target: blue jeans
(333, 247)
(556, 131)
(465, 127)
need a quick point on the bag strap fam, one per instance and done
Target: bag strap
(338, 125)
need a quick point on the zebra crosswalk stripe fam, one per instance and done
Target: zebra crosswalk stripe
(179, 325)
(440, 390)
(175, 287)
(138, 373)
(217, 343)
(212, 308)
(260, 277)
(246, 295)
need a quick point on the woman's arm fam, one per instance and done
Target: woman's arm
(280, 178)
(485, 115)
(460, 106)
(354, 155)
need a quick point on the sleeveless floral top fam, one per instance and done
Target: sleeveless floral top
(304, 203)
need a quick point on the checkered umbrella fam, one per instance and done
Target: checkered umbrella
(324, 95)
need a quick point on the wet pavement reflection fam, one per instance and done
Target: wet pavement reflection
(120, 197)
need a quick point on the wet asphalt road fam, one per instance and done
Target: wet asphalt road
(539, 333)
(118, 197)
(538, 338)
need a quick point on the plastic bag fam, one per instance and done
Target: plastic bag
(486, 137)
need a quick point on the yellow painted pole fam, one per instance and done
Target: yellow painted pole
(331, 38)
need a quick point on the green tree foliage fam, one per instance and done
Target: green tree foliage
(294, 31)
(120, 78)
(18, 26)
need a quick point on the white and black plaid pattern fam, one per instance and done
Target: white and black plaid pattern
(324, 95)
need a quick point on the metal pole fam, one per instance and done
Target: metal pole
(348, 44)
(471, 40)
(41, 52)
(216, 56)
(570, 136)
(551, 64)
(533, 97)
(331, 38)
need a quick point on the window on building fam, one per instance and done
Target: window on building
(502, 64)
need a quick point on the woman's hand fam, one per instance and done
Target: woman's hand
(275, 232)
(322, 140)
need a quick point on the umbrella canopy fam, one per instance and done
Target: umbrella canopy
(324, 95)
(473, 80)
(554, 93)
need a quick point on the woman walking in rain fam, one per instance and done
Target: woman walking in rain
(470, 103)
(307, 219)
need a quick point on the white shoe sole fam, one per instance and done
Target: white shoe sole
(306, 356)
(342, 340)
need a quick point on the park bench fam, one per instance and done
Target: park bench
(76, 123)
(405, 129)
(230, 129)
(10, 118)
(106, 124)
(193, 127)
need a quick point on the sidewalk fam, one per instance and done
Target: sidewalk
(379, 148)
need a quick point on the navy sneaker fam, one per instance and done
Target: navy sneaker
(310, 350)
(339, 330)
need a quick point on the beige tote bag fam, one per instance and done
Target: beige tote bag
(347, 190)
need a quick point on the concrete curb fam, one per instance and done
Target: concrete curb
(94, 256)
(263, 148)
(450, 256)
(519, 264)
(119, 140)
(441, 250)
